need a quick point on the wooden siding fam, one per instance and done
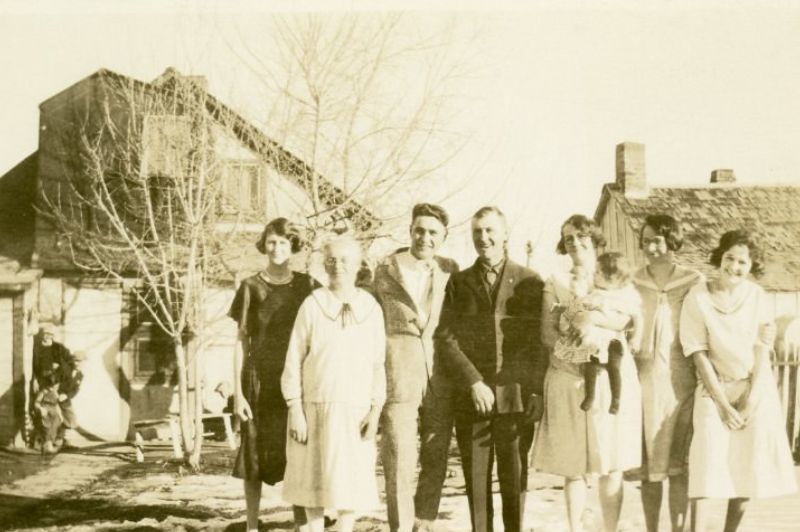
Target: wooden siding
(620, 236)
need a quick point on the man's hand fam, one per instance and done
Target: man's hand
(298, 428)
(535, 408)
(62, 397)
(482, 398)
(242, 408)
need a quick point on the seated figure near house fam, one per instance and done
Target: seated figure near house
(47, 410)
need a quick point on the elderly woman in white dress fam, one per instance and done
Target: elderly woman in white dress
(739, 450)
(571, 442)
(334, 384)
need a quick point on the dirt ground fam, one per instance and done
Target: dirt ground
(103, 488)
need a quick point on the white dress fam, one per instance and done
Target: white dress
(335, 364)
(570, 442)
(666, 376)
(754, 461)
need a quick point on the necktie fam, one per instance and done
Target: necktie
(491, 277)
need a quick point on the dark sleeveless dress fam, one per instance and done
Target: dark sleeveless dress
(265, 312)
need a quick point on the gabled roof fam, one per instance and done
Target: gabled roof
(771, 212)
(331, 196)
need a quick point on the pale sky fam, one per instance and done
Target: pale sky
(551, 90)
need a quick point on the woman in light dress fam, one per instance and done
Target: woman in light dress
(739, 450)
(570, 442)
(335, 386)
(667, 377)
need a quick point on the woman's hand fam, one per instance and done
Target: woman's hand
(298, 428)
(767, 333)
(730, 416)
(582, 321)
(369, 425)
(746, 405)
(242, 407)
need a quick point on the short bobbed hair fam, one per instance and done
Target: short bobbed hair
(666, 226)
(739, 237)
(432, 210)
(613, 266)
(283, 228)
(584, 224)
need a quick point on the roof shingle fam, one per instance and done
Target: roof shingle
(771, 212)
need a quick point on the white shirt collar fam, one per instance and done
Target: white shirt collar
(409, 262)
(362, 304)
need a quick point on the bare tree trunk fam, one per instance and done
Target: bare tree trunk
(183, 396)
(197, 365)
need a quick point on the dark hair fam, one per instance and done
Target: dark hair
(614, 266)
(739, 237)
(429, 209)
(666, 226)
(583, 224)
(283, 228)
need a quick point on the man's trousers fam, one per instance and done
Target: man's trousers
(480, 439)
(399, 437)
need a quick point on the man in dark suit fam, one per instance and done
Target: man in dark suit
(488, 341)
(410, 286)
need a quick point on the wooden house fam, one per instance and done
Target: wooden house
(39, 281)
(706, 211)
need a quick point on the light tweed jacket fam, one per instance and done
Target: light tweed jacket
(409, 343)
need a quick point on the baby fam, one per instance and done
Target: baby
(601, 348)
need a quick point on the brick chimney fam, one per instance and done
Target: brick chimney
(631, 176)
(723, 175)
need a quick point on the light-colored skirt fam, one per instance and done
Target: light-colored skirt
(668, 383)
(751, 462)
(335, 468)
(571, 442)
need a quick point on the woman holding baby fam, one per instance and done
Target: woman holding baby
(579, 437)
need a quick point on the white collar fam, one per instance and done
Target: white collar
(362, 304)
(409, 262)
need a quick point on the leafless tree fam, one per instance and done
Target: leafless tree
(135, 194)
(357, 116)
(367, 102)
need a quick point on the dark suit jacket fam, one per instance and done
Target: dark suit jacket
(497, 342)
(409, 343)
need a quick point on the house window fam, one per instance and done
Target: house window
(153, 354)
(149, 352)
(243, 187)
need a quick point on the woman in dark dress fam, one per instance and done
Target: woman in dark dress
(265, 307)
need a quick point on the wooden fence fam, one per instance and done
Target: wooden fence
(785, 364)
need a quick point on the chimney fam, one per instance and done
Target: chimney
(631, 176)
(173, 73)
(723, 175)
